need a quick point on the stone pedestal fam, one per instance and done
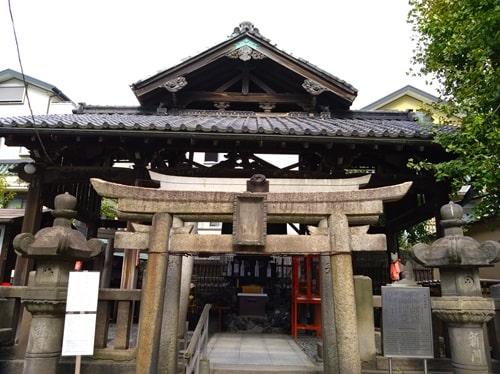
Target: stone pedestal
(494, 325)
(465, 317)
(461, 306)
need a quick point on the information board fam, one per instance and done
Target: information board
(81, 307)
(407, 322)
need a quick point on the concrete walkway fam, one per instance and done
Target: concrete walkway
(258, 353)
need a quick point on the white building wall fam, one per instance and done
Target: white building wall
(42, 102)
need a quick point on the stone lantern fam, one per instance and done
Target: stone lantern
(55, 250)
(461, 306)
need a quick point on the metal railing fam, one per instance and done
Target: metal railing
(197, 347)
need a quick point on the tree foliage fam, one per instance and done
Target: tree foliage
(5, 195)
(458, 45)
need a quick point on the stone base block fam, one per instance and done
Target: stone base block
(414, 364)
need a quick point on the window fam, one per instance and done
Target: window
(11, 94)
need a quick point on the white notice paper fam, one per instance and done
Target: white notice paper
(79, 327)
(79, 333)
(83, 289)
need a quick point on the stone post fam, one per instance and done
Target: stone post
(186, 275)
(167, 361)
(366, 322)
(343, 288)
(461, 306)
(153, 293)
(55, 250)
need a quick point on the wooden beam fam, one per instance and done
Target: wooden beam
(189, 97)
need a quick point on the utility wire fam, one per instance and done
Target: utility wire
(26, 84)
(20, 62)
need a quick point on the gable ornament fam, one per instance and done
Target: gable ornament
(175, 84)
(312, 87)
(245, 53)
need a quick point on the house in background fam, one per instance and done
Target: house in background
(21, 96)
(418, 101)
(405, 98)
(44, 98)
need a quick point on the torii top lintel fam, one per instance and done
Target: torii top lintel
(359, 206)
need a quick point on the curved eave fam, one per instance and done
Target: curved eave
(301, 67)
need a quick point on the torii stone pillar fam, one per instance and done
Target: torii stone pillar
(329, 332)
(343, 297)
(177, 282)
(153, 294)
(167, 360)
(461, 306)
(249, 212)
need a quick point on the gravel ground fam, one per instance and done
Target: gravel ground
(309, 345)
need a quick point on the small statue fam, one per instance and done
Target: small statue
(395, 268)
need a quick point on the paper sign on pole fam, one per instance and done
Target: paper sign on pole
(81, 307)
(79, 333)
(83, 289)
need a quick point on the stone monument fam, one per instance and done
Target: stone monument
(461, 306)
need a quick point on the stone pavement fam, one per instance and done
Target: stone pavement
(258, 353)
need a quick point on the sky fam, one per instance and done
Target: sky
(93, 50)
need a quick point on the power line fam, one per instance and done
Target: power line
(26, 83)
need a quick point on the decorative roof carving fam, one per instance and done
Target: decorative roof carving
(222, 105)
(176, 84)
(312, 87)
(247, 27)
(246, 53)
(267, 107)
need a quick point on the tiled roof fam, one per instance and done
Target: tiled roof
(360, 125)
(8, 214)
(5, 168)
(9, 74)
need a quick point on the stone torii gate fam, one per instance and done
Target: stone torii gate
(341, 222)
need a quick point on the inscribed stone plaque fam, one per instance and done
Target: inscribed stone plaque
(407, 322)
(249, 220)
